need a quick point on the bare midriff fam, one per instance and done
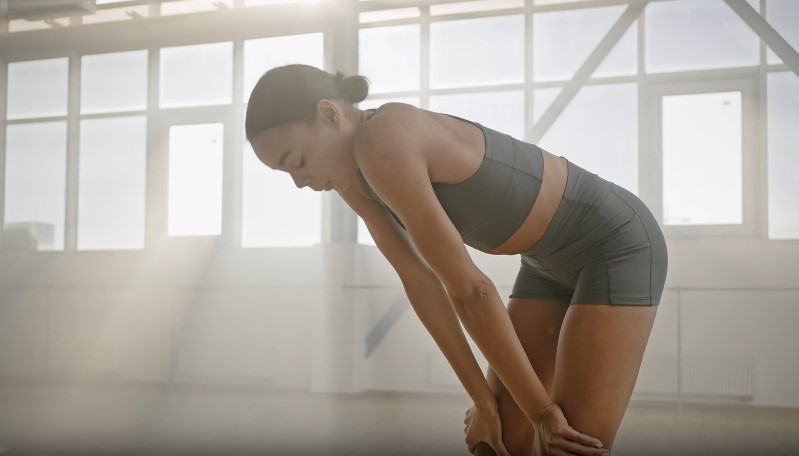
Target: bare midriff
(553, 186)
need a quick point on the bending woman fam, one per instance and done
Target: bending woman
(565, 353)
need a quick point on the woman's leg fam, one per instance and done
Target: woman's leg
(537, 323)
(599, 354)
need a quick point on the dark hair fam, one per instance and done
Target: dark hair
(290, 93)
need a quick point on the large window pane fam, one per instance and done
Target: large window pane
(702, 159)
(393, 71)
(195, 179)
(196, 75)
(501, 111)
(111, 188)
(598, 131)
(783, 155)
(264, 54)
(471, 52)
(783, 15)
(275, 213)
(35, 192)
(114, 82)
(697, 34)
(563, 40)
(37, 88)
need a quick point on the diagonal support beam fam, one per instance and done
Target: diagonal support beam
(586, 70)
(766, 32)
(386, 322)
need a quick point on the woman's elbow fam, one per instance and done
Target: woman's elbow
(469, 294)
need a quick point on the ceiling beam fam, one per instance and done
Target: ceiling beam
(766, 32)
(586, 70)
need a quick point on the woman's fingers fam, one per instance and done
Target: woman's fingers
(573, 447)
(575, 436)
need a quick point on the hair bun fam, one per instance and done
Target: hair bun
(354, 89)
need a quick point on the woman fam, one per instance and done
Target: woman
(564, 356)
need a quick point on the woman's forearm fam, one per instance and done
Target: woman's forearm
(486, 319)
(433, 307)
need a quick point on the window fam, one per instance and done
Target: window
(396, 71)
(114, 82)
(180, 68)
(264, 54)
(563, 40)
(783, 155)
(697, 34)
(37, 88)
(111, 189)
(783, 15)
(36, 181)
(702, 159)
(598, 131)
(477, 52)
(195, 179)
(274, 212)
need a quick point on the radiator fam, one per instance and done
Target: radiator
(716, 376)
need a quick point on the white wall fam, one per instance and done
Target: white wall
(190, 315)
(248, 316)
(719, 329)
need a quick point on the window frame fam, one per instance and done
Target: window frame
(651, 163)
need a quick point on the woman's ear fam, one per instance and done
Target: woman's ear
(328, 112)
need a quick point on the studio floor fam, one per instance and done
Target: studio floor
(82, 418)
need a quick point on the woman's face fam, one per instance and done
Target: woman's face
(318, 156)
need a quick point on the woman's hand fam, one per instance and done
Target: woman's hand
(484, 426)
(555, 436)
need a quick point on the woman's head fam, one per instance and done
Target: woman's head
(300, 119)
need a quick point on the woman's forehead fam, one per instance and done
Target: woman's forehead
(271, 144)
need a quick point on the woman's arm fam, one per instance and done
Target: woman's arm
(427, 296)
(392, 159)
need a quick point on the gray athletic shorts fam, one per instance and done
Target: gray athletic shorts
(603, 246)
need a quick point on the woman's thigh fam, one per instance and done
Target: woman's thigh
(598, 357)
(537, 323)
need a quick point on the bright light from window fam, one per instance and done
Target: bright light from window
(195, 179)
(702, 165)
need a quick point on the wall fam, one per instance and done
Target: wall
(247, 317)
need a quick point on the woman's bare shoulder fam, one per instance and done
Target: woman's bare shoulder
(394, 125)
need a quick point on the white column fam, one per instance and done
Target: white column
(338, 338)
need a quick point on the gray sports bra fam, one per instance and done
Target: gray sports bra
(488, 207)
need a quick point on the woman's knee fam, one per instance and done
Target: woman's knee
(517, 432)
(599, 355)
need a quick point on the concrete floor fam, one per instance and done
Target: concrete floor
(79, 418)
